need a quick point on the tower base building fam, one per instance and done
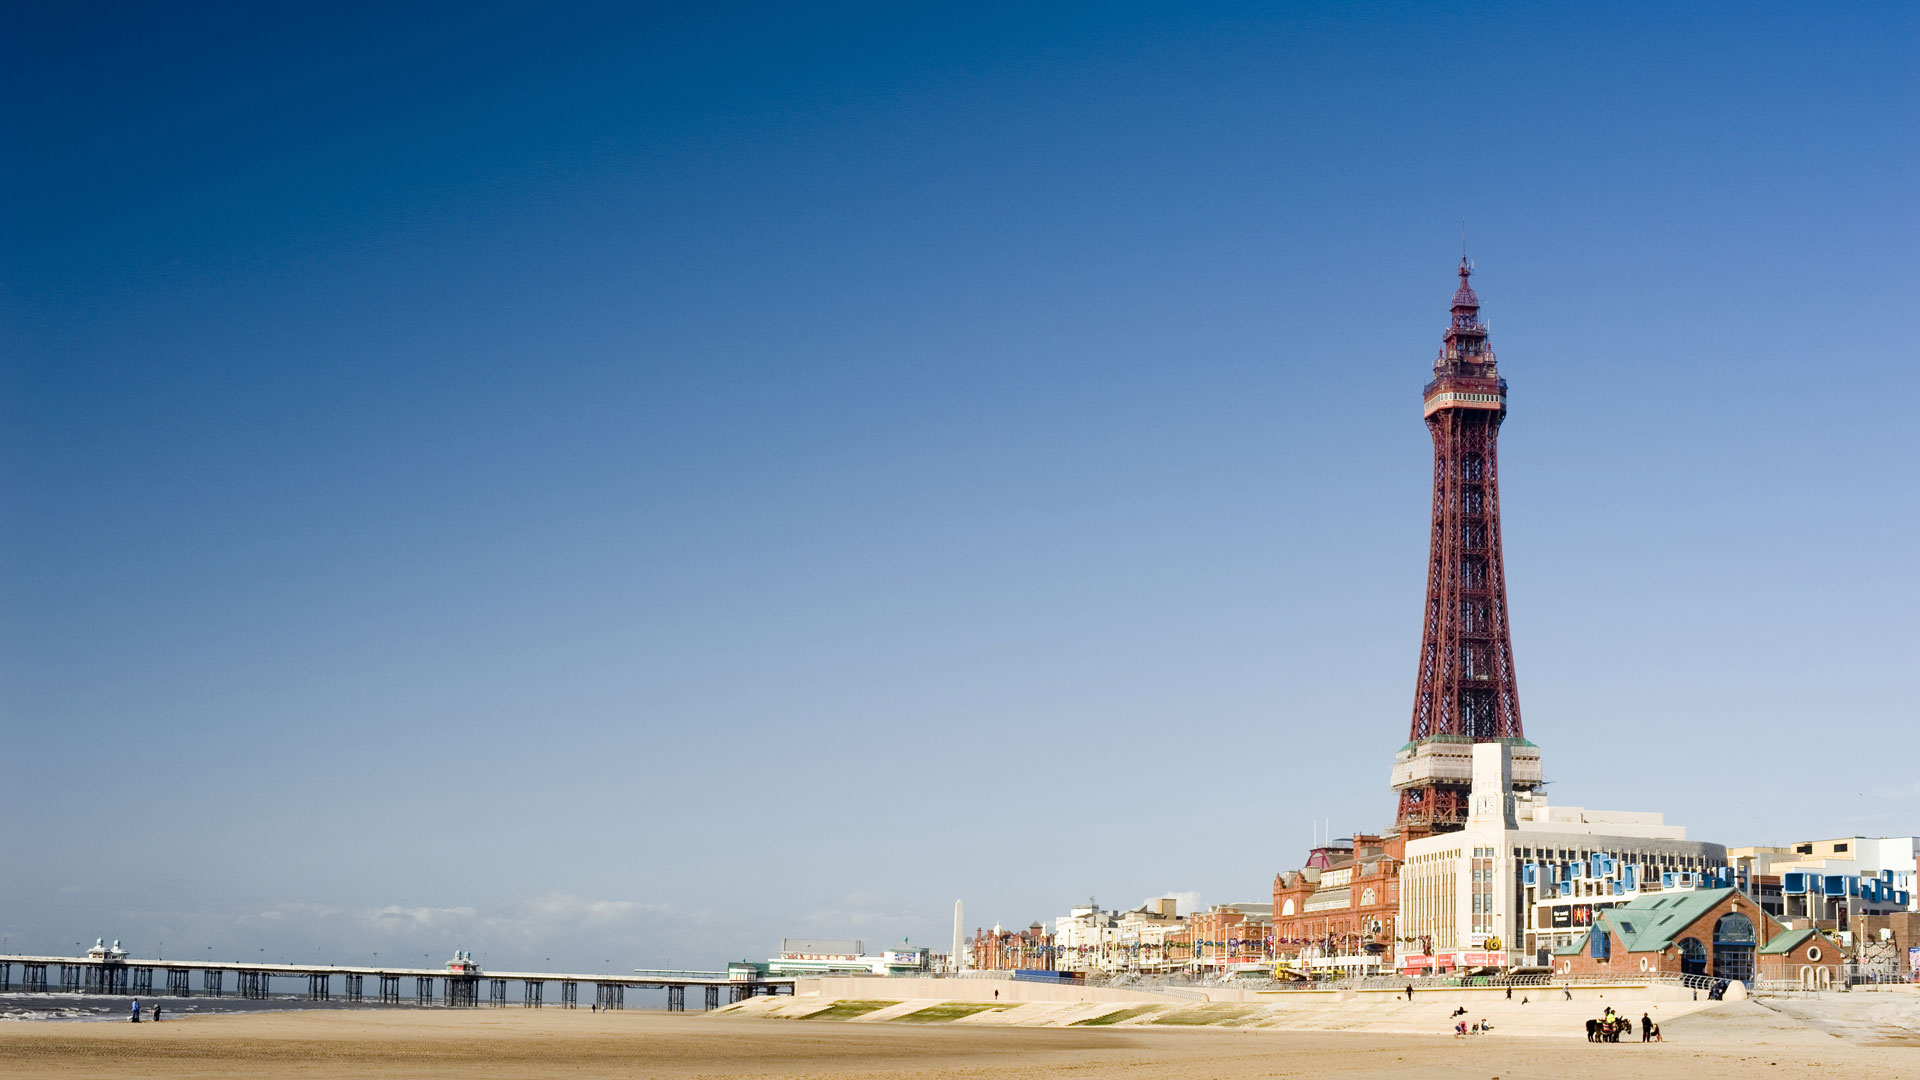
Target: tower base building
(1524, 877)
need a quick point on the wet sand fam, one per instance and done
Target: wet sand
(531, 1043)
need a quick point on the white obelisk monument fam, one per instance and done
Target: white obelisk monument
(955, 961)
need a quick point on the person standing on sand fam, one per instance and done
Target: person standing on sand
(1646, 1027)
(136, 1010)
(1409, 991)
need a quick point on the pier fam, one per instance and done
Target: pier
(460, 984)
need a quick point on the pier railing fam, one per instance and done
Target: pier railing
(450, 986)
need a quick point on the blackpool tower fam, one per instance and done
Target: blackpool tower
(1465, 692)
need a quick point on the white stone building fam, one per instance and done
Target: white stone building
(1086, 939)
(1524, 876)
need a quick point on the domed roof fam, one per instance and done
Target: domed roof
(1464, 296)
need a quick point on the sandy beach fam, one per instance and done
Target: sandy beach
(1738, 1040)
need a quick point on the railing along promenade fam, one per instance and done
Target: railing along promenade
(455, 986)
(1389, 982)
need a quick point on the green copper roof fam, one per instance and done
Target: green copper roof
(1789, 941)
(1650, 923)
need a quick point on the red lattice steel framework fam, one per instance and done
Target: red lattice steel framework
(1466, 680)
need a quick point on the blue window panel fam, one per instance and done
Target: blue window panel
(1835, 885)
(1633, 877)
(1600, 943)
(1793, 882)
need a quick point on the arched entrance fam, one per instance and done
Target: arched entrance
(1733, 948)
(1693, 956)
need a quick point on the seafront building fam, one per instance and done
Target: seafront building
(1087, 939)
(1000, 949)
(1524, 877)
(1832, 883)
(1154, 937)
(1232, 937)
(1717, 932)
(1328, 914)
(846, 956)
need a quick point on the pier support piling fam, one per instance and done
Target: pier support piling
(354, 988)
(319, 986)
(531, 992)
(676, 999)
(390, 989)
(210, 980)
(179, 982)
(496, 992)
(463, 992)
(569, 994)
(713, 998)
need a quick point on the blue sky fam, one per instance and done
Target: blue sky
(621, 487)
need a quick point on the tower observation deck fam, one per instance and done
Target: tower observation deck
(1465, 690)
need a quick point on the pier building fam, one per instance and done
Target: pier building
(849, 956)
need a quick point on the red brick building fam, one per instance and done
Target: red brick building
(1009, 950)
(1722, 933)
(1344, 902)
(1231, 934)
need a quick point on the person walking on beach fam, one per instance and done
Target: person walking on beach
(1567, 991)
(1646, 1028)
(1409, 991)
(136, 1010)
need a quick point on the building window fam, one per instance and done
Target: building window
(1838, 848)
